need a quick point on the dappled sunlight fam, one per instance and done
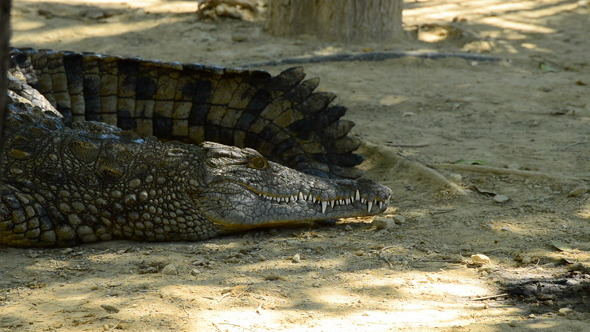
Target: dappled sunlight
(448, 10)
(28, 31)
(526, 117)
(156, 6)
(520, 26)
(509, 20)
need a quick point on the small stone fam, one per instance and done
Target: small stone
(399, 219)
(578, 191)
(169, 269)
(513, 166)
(93, 14)
(383, 223)
(480, 259)
(239, 38)
(513, 323)
(455, 177)
(348, 228)
(67, 251)
(501, 198)
(526, 260)
(564, 311)
(109, 308)
(296, 258)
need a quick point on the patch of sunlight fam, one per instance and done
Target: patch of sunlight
(545, 325)
(501, 7)
(536, 47)
(410, 316)
(507, 24)
(24, 25)
(506, 226)
(454, 289)
(550, 11)
(392, 100)
(330, 50)
(333, 296)
(585, 213)
(448, 11)
(83, 32)
(415, 314)
(439, 11)
(529, 46)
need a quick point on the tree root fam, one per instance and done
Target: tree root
(374, 56)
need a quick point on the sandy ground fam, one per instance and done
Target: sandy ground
(525, 118)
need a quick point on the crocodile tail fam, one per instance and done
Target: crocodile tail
(282, 116)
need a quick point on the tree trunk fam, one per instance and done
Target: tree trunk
(4, 40)
(336, 20)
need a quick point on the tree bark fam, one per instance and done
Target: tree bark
(337, 20)
(4, 42)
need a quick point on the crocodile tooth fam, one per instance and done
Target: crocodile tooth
(341, 202)
(332, 203)
(324, 206)
(294, 198)
(301, 197)
(380, 205)
(369, 206)
(357, 195)
(348, 201)
(363, 200)
(313, 200)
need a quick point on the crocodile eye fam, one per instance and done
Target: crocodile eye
(258, 163)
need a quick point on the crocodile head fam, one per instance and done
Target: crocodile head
(241, 190)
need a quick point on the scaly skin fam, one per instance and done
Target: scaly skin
(65, 186)
(282, 117)
(69, 181)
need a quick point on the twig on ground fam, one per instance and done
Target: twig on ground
(386, 260)
(570, 145)
(441, 211)
(407, 145)
(491, 297)
(216, 327)
(236, 325)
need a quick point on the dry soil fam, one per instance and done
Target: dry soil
(511, 135)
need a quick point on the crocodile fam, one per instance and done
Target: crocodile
(103, 147)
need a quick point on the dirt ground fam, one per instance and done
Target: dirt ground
(512, 135)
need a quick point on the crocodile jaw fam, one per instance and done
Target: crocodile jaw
(290, 197)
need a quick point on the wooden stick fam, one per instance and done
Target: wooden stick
(491, 297)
